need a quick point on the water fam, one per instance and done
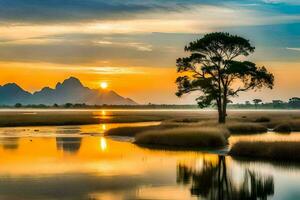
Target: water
(78, 162)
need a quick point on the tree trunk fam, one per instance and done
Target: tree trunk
(224, 107)
(224, 111)
(222, 114)
(222, 117)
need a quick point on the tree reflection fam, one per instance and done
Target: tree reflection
(214, 182)
(68, 144)
(10, 143)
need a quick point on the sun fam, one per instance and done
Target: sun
(103, 85)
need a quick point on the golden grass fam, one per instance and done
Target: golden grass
(245, 128)
(48, 118)
(189, 137)
(133, 131)
(184, 118)
(277, 151)
(262, 119)
(283, 128)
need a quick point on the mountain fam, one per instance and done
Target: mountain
(70, 90)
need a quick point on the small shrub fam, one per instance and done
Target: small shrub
(283, 128)
(277, 151)
(295, 124)
(246, 128)
(187, 120)
(262, 119)
(133, 131)
(185, 137)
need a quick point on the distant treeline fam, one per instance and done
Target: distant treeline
(104, 106)
(293, 103)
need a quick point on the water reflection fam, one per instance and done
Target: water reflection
(67, 164)
(215, 182)
(68, 144)
(9, 143)
(68, 130)
(103, 144)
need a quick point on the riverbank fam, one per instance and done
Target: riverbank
(46, 117)
(287, 151)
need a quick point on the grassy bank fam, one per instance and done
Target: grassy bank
(73, 117)
(246, 128)
(276, 151)
(185, 137)
(38, 117)
(134, 131)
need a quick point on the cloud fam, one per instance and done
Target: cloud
(292, 2)
(66, 11)
(136, 45)
(90, 31)
(293, 49)
(45, 11)
(84, 69)
(79, 11)
(196, 19)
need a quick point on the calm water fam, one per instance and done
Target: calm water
(78, 162)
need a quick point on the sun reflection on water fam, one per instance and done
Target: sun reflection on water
(103, 127)
(103, 144)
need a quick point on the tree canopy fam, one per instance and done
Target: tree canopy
(213, 69)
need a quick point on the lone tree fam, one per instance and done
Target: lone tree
(256, 102)
(213, 69)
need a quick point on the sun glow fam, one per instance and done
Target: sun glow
(103, 85)
(103, 144)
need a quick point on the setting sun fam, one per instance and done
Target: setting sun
(103, 85)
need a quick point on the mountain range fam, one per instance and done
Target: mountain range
(70, 90)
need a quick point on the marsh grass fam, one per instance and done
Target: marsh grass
(211, 137)
(277, 151)
(283, 128)
(187, 118)
(262, 119)
(295, 124)
(133, 131)
(167, 124)
(246, 128)
(58, 118)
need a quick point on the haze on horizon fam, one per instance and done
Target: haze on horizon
(133, 45)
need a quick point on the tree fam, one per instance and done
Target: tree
(278, 104)
(68, 105)
(256, 102)
(18, 105)
(213, 69)
(294, 102)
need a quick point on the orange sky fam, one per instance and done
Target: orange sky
(133, 45)
(139, 83)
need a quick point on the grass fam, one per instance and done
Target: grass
(208, 137)
(48, 117)
(73, 117)
(246, 128)
(133, 131)
(295, 124)
(283, 128)
(275, 151)
(262, 119)
(129, 131)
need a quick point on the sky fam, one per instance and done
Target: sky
(133, 45)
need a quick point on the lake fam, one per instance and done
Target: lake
(79, 162)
